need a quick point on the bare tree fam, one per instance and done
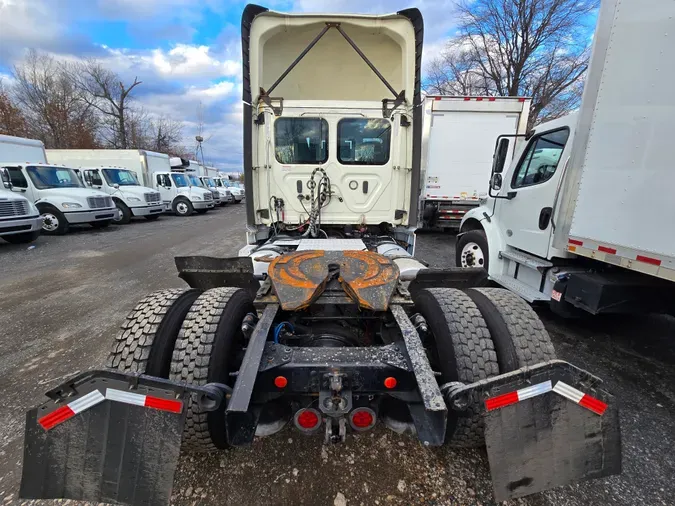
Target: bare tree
(55, 109)
(536, 48)
(166, 135)
(105, 91)
(12, 120)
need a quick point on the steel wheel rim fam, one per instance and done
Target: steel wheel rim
(118, 216)
(50, 223)
(182, 208)
(472, 255)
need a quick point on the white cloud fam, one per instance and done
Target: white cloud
(190, 60)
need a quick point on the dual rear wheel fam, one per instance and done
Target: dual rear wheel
(195, 337)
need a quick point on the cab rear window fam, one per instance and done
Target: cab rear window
(364, 141)
(301, 140)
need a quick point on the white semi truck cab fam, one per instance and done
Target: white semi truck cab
(61, 197)
(180, 196)
(130, 198)
(20, 221)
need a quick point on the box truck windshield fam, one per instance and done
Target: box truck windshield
(194, 181)
(44, 177)
(180, 180)
(120, 177)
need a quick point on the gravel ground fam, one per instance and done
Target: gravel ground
(63, 301)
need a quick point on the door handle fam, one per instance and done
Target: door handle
(545, 217)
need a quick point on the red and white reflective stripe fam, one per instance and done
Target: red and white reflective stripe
(573, 243)
(571, 393)
(585, 400)
(71, 409)
(147, 401)
(519, 395)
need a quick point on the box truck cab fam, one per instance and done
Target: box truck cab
(224, 184)
(116, 173)
(57, 192)
(581, 220)
(224, 195)
(20, 221)
(200, 182)
(179, 194)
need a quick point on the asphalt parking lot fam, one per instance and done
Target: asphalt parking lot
(62, 302)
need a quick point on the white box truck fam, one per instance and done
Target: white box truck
(115, 172)
(20, 221)
(57, 192)
(457, 144)
(582, 219)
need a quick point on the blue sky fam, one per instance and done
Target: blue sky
(186, 52)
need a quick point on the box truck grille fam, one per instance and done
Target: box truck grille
(215, 194)
(99, 202)
(13, 208)
(208, 196)
(152, 198)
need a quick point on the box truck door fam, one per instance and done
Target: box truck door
(526, 218)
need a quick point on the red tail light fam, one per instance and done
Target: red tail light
(307, 419)
(362, 419)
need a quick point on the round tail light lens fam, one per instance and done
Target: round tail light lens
(307, 419)
(362, 419)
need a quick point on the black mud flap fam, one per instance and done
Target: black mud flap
(107, 437)
(452, 277)
(209, 272)
(547, 426)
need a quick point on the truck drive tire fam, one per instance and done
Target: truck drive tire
(148, 335)
(54, 221)
(22, 238)
(518, 334)
(209, 347)
(125, 213)
(463, 352)
(182, 207)
(472, 250)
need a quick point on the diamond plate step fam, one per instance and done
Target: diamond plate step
(526, 259)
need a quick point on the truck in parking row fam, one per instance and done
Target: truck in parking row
(457, 140)
(57, 192)
(20, 221)
(582, 219)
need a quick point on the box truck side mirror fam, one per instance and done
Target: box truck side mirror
(496, 182)
(499, 158)
(6, 180)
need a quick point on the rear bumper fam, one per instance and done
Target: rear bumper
(20, 225)
(75, 217)
(147, 210)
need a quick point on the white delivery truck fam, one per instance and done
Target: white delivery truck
(582, 219)
(179, 193)
(457, 142)
(221, 194)
(224, 184)
(115, 172)
(20, 221)
(57, 192)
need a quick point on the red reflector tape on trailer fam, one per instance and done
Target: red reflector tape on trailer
(605, 249)
(575, 242)
(71, 409)
(585, 400)
(519, 395)
(147, 401)
(648, 260)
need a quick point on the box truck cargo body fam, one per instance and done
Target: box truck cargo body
(457, 144)
(583, 218)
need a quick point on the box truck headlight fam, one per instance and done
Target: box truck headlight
(134, 199)
(194, 197)
(71, 205)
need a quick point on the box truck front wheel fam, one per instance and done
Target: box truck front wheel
(472, 250)
(461, 350)
(147, 337)
(183, 207)
(125, 213)
(23, 238)
(53, 221)
(210, 346)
